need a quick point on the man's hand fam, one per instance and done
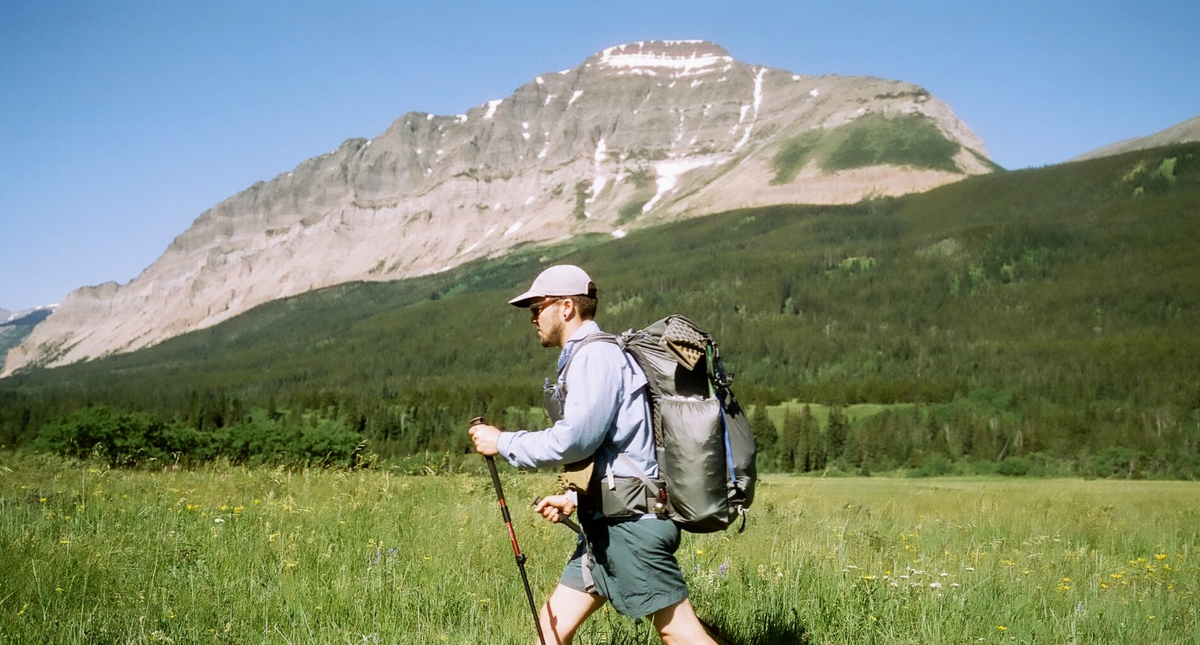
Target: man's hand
(485, 437)
(555, 507)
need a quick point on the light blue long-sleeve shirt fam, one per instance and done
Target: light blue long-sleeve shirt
(607, 398)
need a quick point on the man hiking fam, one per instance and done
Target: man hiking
(601, 413)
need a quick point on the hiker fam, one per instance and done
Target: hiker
(604, 418)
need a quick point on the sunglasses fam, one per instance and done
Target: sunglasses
(536, 308)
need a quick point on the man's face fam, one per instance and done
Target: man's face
(544, 315)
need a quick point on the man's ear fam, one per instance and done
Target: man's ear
(568, 309)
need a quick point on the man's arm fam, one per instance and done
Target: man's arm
(593, 398)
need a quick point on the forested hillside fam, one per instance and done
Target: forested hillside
(1042, 318)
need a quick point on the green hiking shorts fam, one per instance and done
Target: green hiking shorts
(635, 566)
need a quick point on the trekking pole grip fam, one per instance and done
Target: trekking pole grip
(564, 520)
(491, 463)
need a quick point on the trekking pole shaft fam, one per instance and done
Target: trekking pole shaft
(512, 535)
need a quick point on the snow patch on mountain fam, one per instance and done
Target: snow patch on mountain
(491, 109)
(669, 172)
(641, 56)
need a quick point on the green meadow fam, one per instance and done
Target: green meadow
(230, 554)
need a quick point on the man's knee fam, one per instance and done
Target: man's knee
(678, 623)
(565, 611)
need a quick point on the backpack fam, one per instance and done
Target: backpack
(705, 448)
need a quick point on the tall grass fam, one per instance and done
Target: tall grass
(252, 555)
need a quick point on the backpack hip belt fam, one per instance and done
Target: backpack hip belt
(638, 496)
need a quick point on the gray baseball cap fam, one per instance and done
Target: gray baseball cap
(559, 280)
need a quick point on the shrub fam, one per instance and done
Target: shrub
(114, 436)
(934, 465)
(123, 438)
(1014, 467)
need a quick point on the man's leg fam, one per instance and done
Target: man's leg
(679, 625)
(565, 611)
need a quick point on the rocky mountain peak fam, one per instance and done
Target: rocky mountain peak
(637, 134)
(662, 58)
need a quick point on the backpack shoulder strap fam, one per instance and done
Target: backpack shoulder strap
(599, 336)
(620, 342)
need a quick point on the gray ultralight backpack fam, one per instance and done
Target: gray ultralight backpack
(705, 448)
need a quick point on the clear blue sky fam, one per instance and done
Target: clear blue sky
(121, 121)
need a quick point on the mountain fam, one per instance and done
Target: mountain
(636, 135)
(1021, 311)
(1185, 132)
(16, 326)
(42, 312)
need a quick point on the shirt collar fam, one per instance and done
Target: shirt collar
(588, 328)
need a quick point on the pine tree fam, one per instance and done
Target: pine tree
(836, 433)
(789, 438)
(766, 438)
(806, 444)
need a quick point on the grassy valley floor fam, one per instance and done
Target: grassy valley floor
(260, 555)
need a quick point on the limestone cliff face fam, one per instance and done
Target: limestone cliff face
(638, 134)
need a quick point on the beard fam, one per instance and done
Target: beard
(553, 336)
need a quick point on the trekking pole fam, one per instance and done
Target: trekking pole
(537, 623)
